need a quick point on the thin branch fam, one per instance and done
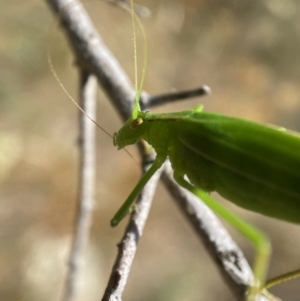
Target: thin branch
(158, 100)
(92, 54)
(88, 86)
(128, 245)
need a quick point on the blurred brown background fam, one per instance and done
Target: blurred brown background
(248, 52)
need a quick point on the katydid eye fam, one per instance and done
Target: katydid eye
(135, 123)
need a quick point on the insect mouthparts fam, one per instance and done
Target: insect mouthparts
(115, 137)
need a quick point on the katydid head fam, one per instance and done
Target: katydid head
(131, 132)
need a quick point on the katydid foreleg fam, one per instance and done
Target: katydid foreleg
(126, 207)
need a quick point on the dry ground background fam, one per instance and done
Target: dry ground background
(248, 52)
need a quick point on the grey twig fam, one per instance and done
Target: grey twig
(158, 100)
(94, 56)
(88, 86)
(128, 245)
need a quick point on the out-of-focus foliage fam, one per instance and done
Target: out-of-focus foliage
(248, 52)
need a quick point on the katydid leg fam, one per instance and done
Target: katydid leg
(282, 278)
(254, 235)
(125, 209)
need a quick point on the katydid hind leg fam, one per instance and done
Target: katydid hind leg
(282, 278)
(254, 235)
(125, 208)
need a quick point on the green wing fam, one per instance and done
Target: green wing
(254, 165)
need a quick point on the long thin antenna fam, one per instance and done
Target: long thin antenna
(50, 62)
(69, 95)
(134, 45)
(138, 88)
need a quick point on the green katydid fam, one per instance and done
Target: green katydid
(253, 165)
(250, 164)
